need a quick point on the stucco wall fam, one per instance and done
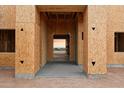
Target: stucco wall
(85, 41)
(40, 41)
(115, 23)
(37, 41)
(95, 40)
(7, 59)
(7, 16)
(7, 21)
(29, 42)
(34, 29)
(43, 40)
(97, 45)
(80, 30)
(25, 19)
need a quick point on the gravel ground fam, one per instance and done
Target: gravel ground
(114, 78)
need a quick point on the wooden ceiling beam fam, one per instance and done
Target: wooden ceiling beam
(61, 8)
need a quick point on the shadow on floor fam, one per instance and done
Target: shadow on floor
(61, 69)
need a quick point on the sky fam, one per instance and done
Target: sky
(59, 43)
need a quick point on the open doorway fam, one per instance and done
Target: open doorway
(61, 48)
(61, 34)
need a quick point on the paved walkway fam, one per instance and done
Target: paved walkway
(63, 69)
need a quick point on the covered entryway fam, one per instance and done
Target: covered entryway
(46, 23)
(35, 27)
(60, 42)
(61, 69)
(31, 47)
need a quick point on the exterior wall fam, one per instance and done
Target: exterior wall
(97, 49)
(25, 40)
(7, 59)
(98, 45)
(62, 27)
(115, 23)
(95, 41)
(37, 41)
(85, 41)
(43, 40)
(30, 48)
(7, 21)
(80, 29)
(7, 16)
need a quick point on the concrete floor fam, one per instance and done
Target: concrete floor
(114, 78)
(61, 69)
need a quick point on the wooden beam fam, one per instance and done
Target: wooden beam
(61, 8)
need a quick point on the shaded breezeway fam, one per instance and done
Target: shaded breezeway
(61, 69)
